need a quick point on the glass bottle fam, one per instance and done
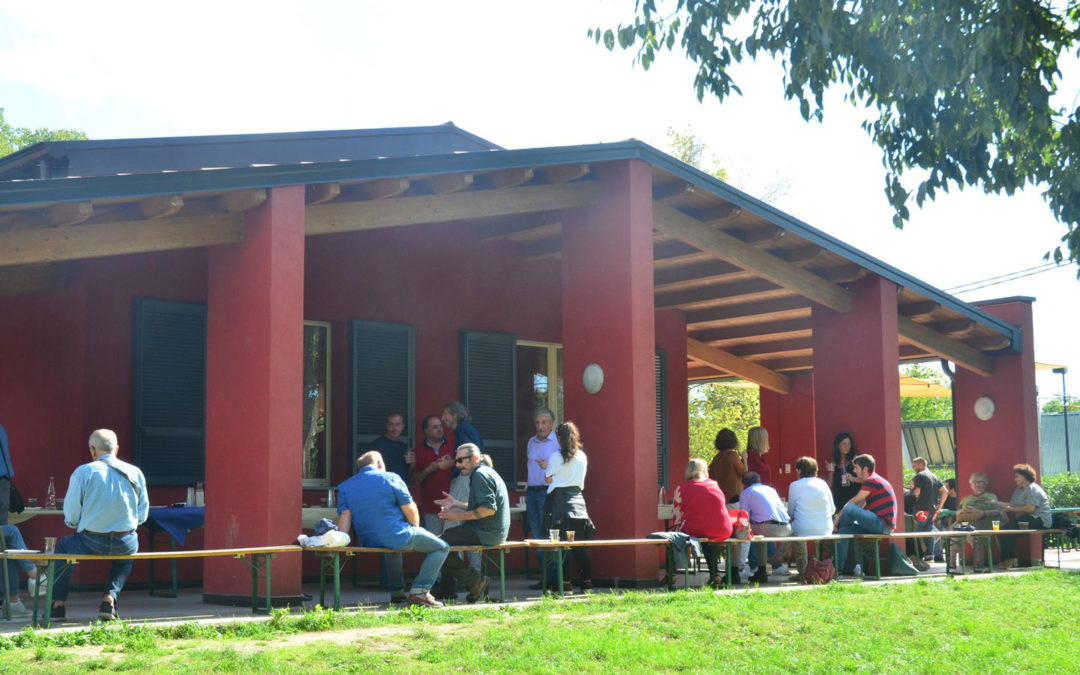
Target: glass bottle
(50, 494)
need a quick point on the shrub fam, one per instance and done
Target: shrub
(1063, 489)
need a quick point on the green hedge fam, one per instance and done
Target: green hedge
(1063, 489)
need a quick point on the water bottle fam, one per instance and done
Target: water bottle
(50, 494)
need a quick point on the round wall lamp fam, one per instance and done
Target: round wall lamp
(593, 378)
(984, 408)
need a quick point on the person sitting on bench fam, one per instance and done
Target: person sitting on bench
(1032, 508)
(871, 511)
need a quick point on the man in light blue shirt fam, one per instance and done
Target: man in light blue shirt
(106, 500)
(541, 446)
(6, 474)
(768, 518)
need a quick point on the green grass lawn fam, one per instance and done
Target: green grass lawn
(1008, 623)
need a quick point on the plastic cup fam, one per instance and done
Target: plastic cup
(553, 535)
(50, 545)
(1023, 524)
(31, 502)
(569, 535)
(996, 524)
(521, 501)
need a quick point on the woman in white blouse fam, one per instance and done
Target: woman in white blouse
(810, 505)
(564, 508)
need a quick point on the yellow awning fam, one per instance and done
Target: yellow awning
(913, 387)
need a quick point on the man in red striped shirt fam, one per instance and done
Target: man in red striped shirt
(871, 511)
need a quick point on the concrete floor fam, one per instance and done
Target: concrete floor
(138, 607)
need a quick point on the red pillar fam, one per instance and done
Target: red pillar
(789, 419)
(671, 337)
(856, 378)
(255, 314)
(1011, 436)
(607, 301)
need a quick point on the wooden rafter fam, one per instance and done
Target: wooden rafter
(508, 178)
(918, 310)
(535, 225)
(69, 213)
(718, 214)
(748, 370)
(758, 351)
(321, 192)
(74, 242)
(945, 347)
(454, 182)
(663, 192)
(565, 173)
(239, 201)
(475, 204)
(750, 313)
(161, 206)
(383, 188)
(750, 333)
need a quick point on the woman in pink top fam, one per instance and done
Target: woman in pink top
(757, 444)
(701, 511)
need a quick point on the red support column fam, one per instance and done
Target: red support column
(856, 378)
(671, 337)
(789, 419)
(255, 315)
(607, 301)
(1011, 436)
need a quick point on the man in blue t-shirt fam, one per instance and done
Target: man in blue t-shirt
(397, 455)
(387, 517)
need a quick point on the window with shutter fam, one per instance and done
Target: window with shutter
(487, 390)
(170, 391)
(661, 420)
(383, 381)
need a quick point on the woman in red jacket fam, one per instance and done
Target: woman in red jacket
(701, 511)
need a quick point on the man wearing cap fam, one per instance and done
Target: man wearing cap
(105, 501)
(930, 495)
(387, 517)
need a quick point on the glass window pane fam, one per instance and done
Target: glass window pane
(315, 461)
(532, 393)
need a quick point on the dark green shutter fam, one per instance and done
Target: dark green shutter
(170, 391)
(383, 379)
(661, 419)
(487, 390)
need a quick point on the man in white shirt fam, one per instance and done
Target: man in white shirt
(539, 449)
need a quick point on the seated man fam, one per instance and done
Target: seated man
(871, 511)
(13, 540)
(768, 518)
(487, 521)
(980, 509)
(387, 517)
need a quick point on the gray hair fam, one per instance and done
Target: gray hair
(696, 468)
(544, 412)
(104, 440)
(470, 448)
(980, 476)
(458, 410)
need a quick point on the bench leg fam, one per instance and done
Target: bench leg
(46, 611)
(260, 561)
(502, 574)
(559, 562)
(728, 548)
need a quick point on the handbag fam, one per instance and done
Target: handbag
(15, 503)
(818, 571)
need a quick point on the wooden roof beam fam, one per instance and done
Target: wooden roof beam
(472, 204)
(717, 214)
(383, 188)
(161, 206)
(947, 348)
(918, 310)
(321, 192)
(74, 242)
(726, 294)
(768, 311)
(69, 213)
(534, 223)
(747, 370)
(565, 173)
(508, 178)
(453, 182)
(764, 264)
(761, 332)
(664, 192)
(239, 201)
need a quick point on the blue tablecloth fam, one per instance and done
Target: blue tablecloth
(178, 520)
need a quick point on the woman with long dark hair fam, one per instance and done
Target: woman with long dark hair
(564, 508)
(844, 486)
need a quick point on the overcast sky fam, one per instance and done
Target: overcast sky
(521, 74)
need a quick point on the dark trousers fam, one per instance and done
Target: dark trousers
(1008, 541)
(5, 499)
(580, 553)
(454, 568)
(712, 555)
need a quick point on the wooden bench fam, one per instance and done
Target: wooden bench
(949, 535)
(729, 545)
(333, 560)
(563, 546)
(257, 560)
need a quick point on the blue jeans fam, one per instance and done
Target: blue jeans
(96, 544)
(856, 520)
(534, 513)
(13, 539)
(936, 546)
(423, 542)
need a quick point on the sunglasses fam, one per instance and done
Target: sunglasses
(460, 460)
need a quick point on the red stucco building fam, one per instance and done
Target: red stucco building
(245, 310)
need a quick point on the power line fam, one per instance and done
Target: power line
(1003, 277)
(1016, 276)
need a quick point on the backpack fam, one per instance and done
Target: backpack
(818, 571)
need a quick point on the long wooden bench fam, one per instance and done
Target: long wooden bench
(257, 560)
(562, 546)
(729, 545)
(333, 560)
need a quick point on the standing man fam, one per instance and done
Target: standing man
(456, 416)
(106, 500)
(6, 474)
(930, 495)
(768, 518)
(434, 461)
(486, 519)
(540, 447)
(387, 517)
(397, 456)
(871, 511)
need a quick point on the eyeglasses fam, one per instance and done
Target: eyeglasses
(460, 460)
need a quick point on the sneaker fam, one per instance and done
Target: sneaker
(59, 612)
(781, 570)
(19, 610)
(921, 565)
(107, 611)
(401, 599)
(35, 588)
(477, 590)
(424, 599)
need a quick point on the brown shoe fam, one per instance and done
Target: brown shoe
(477, 590)
(426, 599)
(586, 585)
